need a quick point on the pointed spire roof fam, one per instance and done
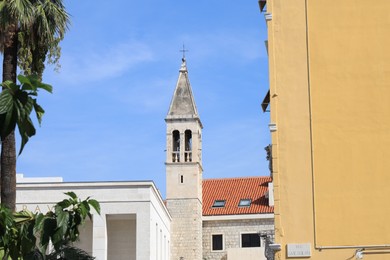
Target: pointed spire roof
(183, 103)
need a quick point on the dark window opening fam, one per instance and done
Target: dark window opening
(262, 5)
(176, 146)
(188, 137)
(217, 242)
(181, 179)
(250, 240)
(219, 203)
(188, 146)
(265, 103)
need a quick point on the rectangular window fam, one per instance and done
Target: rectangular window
(219, 203)
(250, 240)
(217, 241)
(244, 203)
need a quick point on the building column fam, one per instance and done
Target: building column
(143, 235)
(99, 245)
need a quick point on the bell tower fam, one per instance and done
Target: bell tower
(184, 171)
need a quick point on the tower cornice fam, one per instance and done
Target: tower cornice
(181, 164)
(183, 118)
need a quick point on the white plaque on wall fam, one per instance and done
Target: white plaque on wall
(298, 250)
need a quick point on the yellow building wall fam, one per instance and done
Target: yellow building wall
(349, 50)
(330, 99)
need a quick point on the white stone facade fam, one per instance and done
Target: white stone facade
(133, 224)
(186, 228)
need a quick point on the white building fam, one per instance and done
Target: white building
(133, 224)
(201, 219)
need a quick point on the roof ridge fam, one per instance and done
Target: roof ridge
(237, 178)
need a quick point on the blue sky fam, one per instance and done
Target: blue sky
(120, 62)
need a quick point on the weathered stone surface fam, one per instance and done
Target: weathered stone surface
(231, 231)
(186, 228)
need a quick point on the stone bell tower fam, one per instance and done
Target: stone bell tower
(184, 171)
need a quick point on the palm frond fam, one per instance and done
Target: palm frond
(11, 11)
(21, 10)
(57, 17)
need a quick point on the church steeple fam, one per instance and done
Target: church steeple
(183, 123)
(184, 171)
(183, 103)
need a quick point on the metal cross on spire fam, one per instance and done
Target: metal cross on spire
(184, 52)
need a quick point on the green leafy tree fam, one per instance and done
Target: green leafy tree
(17, 102)
(30, 33)
(26, 235)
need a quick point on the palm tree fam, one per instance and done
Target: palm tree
(30, 32)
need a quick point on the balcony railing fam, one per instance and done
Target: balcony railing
(176, 156)
(188, 156)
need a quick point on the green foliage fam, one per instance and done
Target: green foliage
(26, 235)
(70, 253)
(41, 26)
(16, 104)
(30, 33)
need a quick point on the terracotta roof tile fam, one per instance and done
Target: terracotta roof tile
(233, 190)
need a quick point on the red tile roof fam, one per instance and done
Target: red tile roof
(233, 190)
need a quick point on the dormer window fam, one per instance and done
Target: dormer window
(245, 203)
(219, 203)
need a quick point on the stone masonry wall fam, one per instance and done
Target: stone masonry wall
(231, 231)
(186, 229)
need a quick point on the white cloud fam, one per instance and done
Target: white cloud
(145, 95)
(100, 64)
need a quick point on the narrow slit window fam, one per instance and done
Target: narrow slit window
(181, 179)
